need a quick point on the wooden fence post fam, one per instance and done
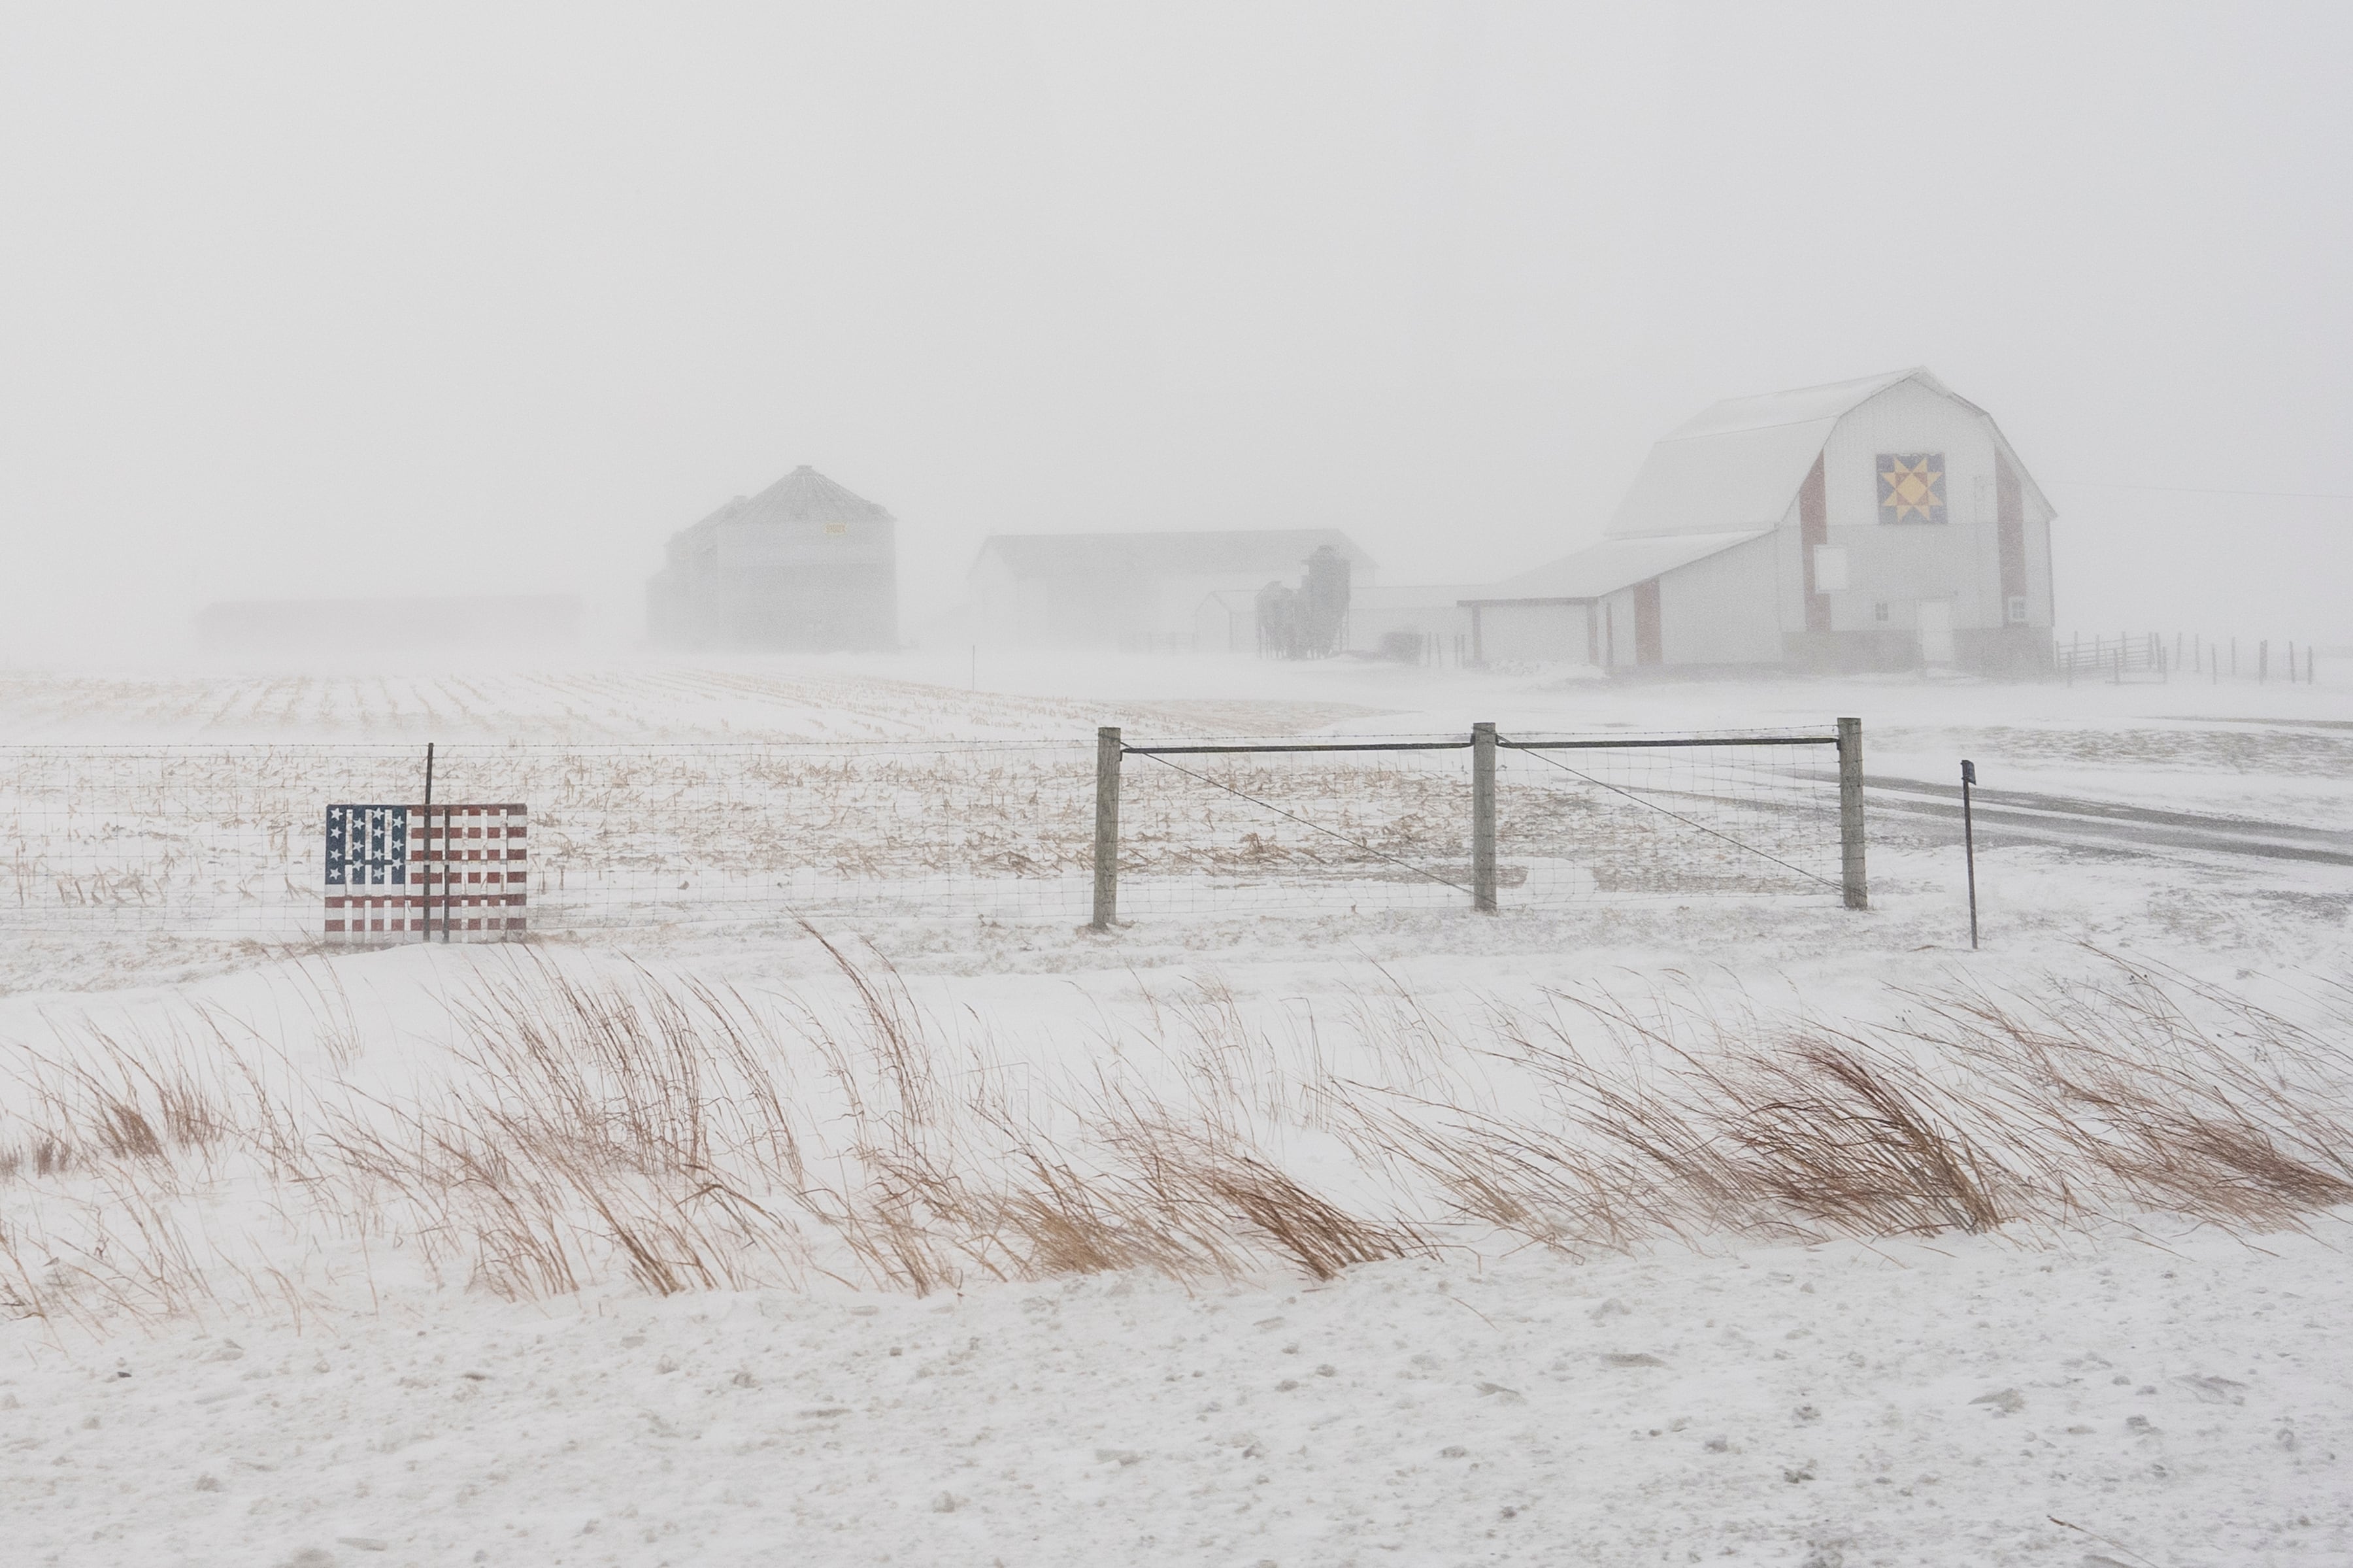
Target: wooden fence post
(1107, 755)
(1851, 865)
(1483, 818)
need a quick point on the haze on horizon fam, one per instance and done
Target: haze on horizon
(303, 302)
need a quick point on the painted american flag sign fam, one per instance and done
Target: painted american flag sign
(414, 873)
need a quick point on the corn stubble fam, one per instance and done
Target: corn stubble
(589, 1129)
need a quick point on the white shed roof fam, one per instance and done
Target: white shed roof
(1613, 564)
(1416, 596)
(1259, 552)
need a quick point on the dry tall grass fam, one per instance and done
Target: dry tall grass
(586, 1127)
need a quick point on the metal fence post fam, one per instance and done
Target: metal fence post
(1483, 818)
(1970, 843)
(425, 894)
(1107, 755)
(1858, 888)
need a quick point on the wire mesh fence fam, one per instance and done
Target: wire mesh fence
(242, 841)
(1209, 829)
(1658, 816)
(232, 841)
(1258, 828)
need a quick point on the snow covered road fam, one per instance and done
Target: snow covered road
(1835, 1406)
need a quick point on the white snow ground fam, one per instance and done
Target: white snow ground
(2178, 1398)
(2177, 1402)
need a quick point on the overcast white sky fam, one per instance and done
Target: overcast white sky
(313, 299)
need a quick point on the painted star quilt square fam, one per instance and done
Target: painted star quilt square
(1911, 486)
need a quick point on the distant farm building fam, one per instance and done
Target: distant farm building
(1870, 525)
(805, 565)
(1413, 625)
(424, 626)
(1143, 591)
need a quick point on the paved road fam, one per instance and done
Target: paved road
(2018, 813)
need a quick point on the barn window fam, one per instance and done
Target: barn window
(1911, 487)
(1879, 611)
(2018, 609)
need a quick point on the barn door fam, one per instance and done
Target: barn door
(1936, 624)
(1648, 642)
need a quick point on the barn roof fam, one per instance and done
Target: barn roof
(802, 496)
(1739, 463)
(1801, 405)
(1222, 552)
(1234, 601)
(1417, 597)
(1609, 565)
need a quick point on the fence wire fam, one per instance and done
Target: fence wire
(1646, 817)
(1267, 830)
(228, 841)
(1642, 819)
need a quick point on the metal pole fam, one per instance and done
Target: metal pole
(1850, 867)
(1483, 818)
(1969, 845)
(425, 895)
(1107, 756)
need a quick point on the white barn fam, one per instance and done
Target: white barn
(1875, 525)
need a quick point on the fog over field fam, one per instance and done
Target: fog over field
(304, 304)
(1235, 786)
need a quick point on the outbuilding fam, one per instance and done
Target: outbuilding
(1143, 591)
(1413, 625)
(804, 564)
(1878, 524)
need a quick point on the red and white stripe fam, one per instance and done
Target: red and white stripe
(469, 880)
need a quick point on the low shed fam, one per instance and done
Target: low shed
(1141, 592)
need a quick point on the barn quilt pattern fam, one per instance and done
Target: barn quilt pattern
(1911, 486)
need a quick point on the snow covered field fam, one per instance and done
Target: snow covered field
(1017, 1271)
(1907, 1402)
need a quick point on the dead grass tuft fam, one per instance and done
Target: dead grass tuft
(635, 1127)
